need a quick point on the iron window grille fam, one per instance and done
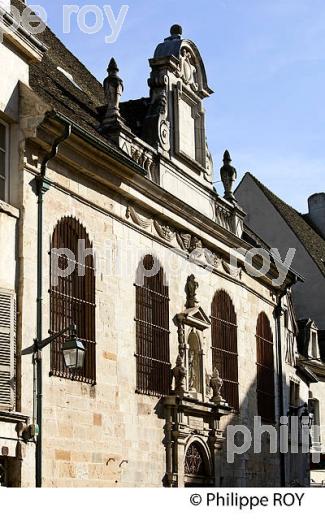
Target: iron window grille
(72, 298)
(265, 369)
(224, 345)
(153, 368)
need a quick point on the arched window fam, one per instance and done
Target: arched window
(152, 329)
(224, 345)
(265, 369)
(72, 296)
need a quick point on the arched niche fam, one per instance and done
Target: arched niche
(195, 368)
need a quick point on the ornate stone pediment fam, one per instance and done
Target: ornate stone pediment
(195, 317)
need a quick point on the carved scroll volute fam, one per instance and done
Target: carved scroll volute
(157, 126)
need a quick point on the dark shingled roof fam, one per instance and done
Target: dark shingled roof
(83, 105)
(311, 240)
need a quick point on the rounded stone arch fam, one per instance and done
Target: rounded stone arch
(74, 221)
(198, 466)
(149, 267)
(72, 295)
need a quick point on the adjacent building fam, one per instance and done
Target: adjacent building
(284, 228)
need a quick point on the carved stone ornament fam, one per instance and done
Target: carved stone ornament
(164, 232)
(228, 176)
(216, 384)
(235, 272)
(141, 156)
(140, 221)
(187, 71)
(179, 374)
(208, 173)
(113, 88)
(184, 240)
(181, 338)
(191, 289)
(193, 245)
(157, 126)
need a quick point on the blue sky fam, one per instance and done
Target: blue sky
(265, 60)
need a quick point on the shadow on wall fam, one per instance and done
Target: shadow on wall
(258, 466)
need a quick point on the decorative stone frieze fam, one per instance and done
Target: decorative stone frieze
(191, 244)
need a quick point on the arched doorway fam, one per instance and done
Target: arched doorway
(197, 470)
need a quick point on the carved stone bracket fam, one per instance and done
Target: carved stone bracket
(141, 156)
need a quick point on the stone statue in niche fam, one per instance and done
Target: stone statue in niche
(192, 371)
(228, 176)
(194, 364)
(179, 374)
(216, 384)
(113, 88)
(191, 289)
(187, 70)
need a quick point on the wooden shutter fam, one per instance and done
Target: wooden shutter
(7, 350)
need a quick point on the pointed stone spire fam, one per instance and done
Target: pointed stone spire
(228, 176)
(113, 87)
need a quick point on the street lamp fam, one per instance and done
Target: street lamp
(73, 352)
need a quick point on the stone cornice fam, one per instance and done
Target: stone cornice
(109, 166)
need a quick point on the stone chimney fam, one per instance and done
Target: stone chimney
(316, 205)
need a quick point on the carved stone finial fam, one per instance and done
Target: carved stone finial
(190, 289)
(179, 373)
(216, 384)
(176, 31)
(113, 87)
(228, 176)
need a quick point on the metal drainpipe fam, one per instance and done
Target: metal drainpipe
(277, 315)
(42, 186)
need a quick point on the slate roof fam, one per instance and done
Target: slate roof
(83, 105)
(310, 239)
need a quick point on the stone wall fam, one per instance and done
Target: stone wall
(108, 435)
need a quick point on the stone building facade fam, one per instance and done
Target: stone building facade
(161, 307)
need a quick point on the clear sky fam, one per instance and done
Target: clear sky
(265, 60)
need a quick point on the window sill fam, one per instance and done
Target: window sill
(13, 417)
(8, 209)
